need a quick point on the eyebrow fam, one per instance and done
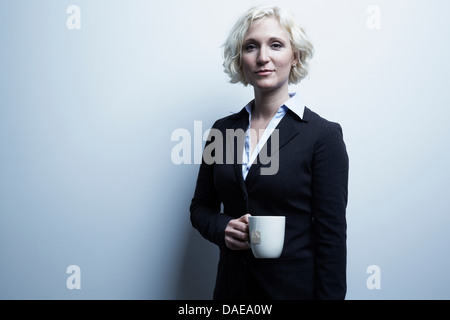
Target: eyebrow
(270, 40)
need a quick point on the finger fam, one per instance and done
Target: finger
(234, 244)
(244, 218)
(238, 225)
(241, 235)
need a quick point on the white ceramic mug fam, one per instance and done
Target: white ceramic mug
(266, 235)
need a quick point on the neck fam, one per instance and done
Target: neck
(268, 103)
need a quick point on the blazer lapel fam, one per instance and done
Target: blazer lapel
(235, 140)
(288, 128)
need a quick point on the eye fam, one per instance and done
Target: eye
(277, 45)
(250, 47)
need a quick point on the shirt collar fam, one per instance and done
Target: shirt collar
(295, 104)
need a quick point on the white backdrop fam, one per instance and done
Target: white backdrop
(89, 100)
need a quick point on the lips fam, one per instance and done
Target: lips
(264, 72)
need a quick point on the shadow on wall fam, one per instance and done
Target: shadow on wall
(198, 268)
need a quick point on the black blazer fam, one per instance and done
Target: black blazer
(310, 189)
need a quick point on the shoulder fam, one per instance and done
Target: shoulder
(320, 125)
(230, 120)
(328, 137)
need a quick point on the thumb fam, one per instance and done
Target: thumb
(244, 218)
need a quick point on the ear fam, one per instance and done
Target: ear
(295, 60)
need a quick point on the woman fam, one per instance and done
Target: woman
(269, 51)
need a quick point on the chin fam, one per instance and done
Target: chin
(266, 86)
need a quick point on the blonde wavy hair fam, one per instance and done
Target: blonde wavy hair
(301, 44)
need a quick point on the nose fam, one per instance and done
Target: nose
(263, 56)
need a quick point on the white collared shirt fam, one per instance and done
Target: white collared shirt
(294, 104)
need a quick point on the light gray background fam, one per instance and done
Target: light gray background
(86, 116)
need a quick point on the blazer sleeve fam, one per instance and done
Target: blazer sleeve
(205, 205)
(330, 168)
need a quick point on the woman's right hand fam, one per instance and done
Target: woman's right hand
(236, 233)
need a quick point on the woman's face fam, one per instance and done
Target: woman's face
(267, 55)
